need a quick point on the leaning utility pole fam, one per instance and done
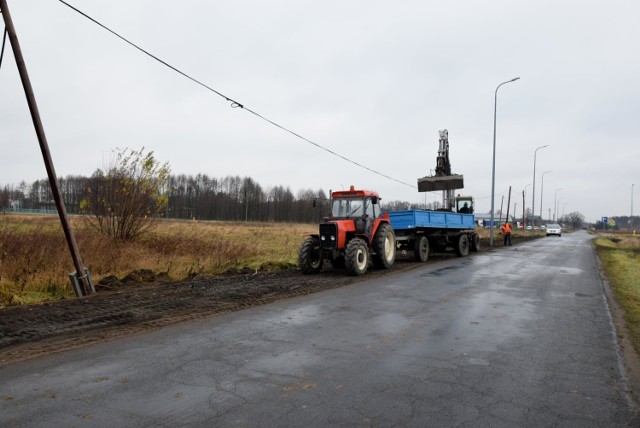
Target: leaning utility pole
(80, 280)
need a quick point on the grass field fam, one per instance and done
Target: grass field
(35, 260)
(620, 256)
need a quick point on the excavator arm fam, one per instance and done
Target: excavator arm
(443, 179)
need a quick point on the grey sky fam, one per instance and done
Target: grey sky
(371, 80)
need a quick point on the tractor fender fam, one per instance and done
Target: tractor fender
(377, 224)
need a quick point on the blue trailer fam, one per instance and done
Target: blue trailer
(424, 231)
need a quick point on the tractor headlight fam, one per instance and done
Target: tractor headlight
(333, 238)
(322, 238)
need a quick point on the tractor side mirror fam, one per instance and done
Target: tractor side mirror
(374, 200)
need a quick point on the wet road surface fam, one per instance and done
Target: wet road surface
(519, 336)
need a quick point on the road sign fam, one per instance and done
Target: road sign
(605, 219)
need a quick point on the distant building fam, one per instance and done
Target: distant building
(484, 220)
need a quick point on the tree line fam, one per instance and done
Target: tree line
(231, 198)
(202, 197)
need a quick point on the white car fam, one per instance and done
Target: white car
(554, 229)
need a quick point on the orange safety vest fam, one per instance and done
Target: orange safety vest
(506, 228)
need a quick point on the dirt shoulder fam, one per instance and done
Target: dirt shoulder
(32, 331)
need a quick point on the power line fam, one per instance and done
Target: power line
(234, 103)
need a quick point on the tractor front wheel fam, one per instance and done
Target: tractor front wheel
(357, 257)
(310, 256)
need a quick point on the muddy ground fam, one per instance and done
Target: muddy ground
(31, 331)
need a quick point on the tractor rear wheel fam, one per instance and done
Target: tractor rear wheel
(384, 246)
(357, 257)
(310, 256)
(462, 245)
(421, 249)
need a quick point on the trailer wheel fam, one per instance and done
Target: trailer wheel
(357, 257)
(421, 249)
(475, 242)
(384, 246)
(310, 256)
(462, 245)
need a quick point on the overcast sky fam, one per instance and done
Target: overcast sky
(373, 81)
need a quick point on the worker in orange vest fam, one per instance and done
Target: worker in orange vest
(506, 231)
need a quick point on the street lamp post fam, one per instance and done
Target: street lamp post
(555, 204)
(558, 208)
(533, 196)
(541, 192)
(524, 217)
(493, 169)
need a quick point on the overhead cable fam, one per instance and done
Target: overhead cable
(234, 103)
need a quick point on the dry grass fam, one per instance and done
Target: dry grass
(620, 256)
(35, 260)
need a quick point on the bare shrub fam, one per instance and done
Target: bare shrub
(127, 195)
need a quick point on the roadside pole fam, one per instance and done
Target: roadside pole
(80, 280)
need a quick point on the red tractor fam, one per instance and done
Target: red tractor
(355, 233)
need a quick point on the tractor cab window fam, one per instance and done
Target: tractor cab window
(344, 208)
(369, 209)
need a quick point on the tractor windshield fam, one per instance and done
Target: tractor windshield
(345, 208)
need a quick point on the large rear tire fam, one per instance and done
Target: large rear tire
(384, 246)
(462, 245)
(310, 256)
(357, 257)
(421, 249)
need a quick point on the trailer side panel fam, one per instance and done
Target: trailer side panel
(418, 219)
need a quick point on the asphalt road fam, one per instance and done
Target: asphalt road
(519, 336)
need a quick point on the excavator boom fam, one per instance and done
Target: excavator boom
(443, 179)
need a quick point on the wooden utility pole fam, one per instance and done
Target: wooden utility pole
(501, 205)
(81, 275)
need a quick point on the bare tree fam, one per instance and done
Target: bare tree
(575, 219)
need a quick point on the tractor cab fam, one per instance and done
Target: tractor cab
(354, 204)
(464, 204)
(359, 208)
